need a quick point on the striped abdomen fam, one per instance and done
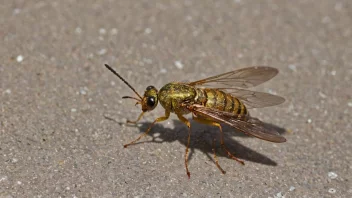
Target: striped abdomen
(220, 100)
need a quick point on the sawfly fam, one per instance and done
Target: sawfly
(223, 98)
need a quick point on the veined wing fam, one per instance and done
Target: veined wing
(244, 78)
(253, 99)
(251, 126)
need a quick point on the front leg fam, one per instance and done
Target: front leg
(160, 119)
(134, 122)
(184, 120)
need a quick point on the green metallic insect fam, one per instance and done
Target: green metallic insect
(211, 101)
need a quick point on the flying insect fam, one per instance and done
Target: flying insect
(223, 98)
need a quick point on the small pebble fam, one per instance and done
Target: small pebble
(279, 195)
(309, 120)
(73, 110)
(163, 70)
(8, 91)
(321, 94)
(292, 188)
(90, 56)
(147, 60)
(3, 178)
(178, 64)
(271, 91)
(19, 182)
(156, 134)
(148, 30)
(83, 91)
(19, 58)
(349, 104)
(292, 67)
(114, 31)
(16, 11)
(333, 72)
(332, 175)
(78, 30)
(332, 190)
(102, 31)
(102, 51)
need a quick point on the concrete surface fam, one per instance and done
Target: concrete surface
(62, 116)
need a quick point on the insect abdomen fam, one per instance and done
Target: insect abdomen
(220, 100)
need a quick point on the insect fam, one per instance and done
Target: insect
(214, 100)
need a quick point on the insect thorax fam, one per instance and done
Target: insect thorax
(173, 95)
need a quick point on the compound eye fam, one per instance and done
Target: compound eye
(150, 101)
(150, 87)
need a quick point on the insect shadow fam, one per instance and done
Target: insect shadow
(202, 138)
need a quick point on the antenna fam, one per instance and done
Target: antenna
(118, 75)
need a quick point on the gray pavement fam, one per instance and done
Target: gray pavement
(63, 120)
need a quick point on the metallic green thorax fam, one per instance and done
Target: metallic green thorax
(172, 95)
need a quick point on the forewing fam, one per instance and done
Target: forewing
(252, 126)
(243, 78)
(253, 99)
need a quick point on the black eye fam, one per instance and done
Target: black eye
(150, 87)
(151, 101)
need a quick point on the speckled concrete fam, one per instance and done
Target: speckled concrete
(62, 116)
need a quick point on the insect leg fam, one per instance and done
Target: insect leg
(213, 123)
(216, 159)
(139, 117)
(225, 148)
(184, 120)
(165, 117)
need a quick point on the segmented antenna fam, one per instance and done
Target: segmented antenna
(113, 71)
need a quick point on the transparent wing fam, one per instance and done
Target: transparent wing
(244, 78)
(253, 99)
(250, 126)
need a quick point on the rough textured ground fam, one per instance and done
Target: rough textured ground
(62, 116)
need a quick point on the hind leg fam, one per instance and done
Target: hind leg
(213, 123)
(216, 159)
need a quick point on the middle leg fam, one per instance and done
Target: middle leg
(184, 120)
